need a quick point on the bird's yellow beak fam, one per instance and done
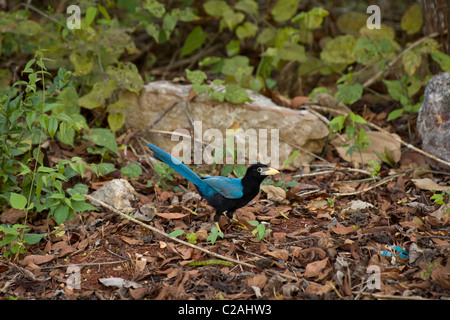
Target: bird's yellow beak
(269, 171)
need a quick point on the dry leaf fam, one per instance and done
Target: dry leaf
(428, 184)
(132, 241)
(313, 269)
(298, 101)
(343, 230)
(278, 254)
(37, 259)
(172, 215)
(12, 216)
(276, 194)
(259, 281)
(317, 289)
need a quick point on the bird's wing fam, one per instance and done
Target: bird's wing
(230, 188)
(182, 169)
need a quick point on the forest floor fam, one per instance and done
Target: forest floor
(386, 240)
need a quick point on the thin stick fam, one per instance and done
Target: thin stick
(369, 82)
(386, 296)
(166, 235)
(373, 186)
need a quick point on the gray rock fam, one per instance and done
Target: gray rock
(433, 121)
(118, 193)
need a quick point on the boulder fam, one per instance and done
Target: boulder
(163, 107)
(433, 121)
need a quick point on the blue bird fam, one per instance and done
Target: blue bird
(224, 194)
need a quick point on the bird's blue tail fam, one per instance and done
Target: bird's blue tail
(180, 168)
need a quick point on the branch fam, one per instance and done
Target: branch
(166, 235)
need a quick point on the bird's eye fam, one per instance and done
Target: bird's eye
(259, 169)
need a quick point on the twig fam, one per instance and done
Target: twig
(87, 264)
(370, 81)
(317, 173)
(166, 235)
(387, 296)
(373, 186)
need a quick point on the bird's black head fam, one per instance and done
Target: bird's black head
(258, 172)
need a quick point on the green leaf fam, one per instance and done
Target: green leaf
(339, 50)
(90, 15)
(442, 59)
(81, 206)
(234, 93)
(155, 8)
(348, 93)
(395, 89)
(132, 170)
(196, 76)
(61, 213)
(411, 60)
(233, 47)
(226, 170)
(105, 138)
(176, 233)
(312, 19)
(412, 19)
(240, 170)
(116, 121)
(102, 168)
(284, 9)
(33, 238)
(216, 8)
(125, 75)
(394, 114)
(194, 40)
(104, 12)
(98, 95)
(231, 19)
(17, 201)
(248, 6)
(246, 30)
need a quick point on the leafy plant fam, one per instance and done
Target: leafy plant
(26, 182)
(357, 135)
(261, 230)
(214, 235)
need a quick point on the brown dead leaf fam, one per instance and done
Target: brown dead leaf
(37, 259)
(278, 254)
(318, 289)
(132, 241)
(441, 275)
(343, 230)
(305, 256)
(260, 280)
(298, 101)
(172, 215)
(313, 269)
(276, 194)
(12, 216)
(428, 184)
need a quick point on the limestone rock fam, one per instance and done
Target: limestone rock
(296, 128)
(118, 193)
(433, 121)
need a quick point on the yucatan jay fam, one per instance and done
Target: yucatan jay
(223, 193)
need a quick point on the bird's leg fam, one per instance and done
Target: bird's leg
(239, 225)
